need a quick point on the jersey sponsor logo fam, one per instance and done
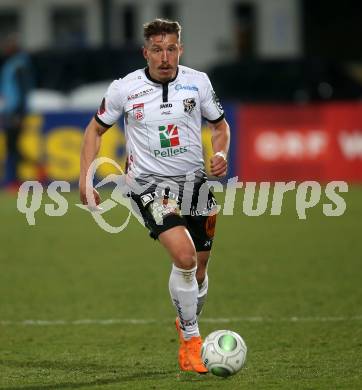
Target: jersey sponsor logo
(165, 105)
(139, 94)
(189, 105)
(169, 142)
(168, 136)
(138, 111)
(179, 87)
(170, 152)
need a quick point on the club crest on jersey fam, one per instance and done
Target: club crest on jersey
(138, 111)
(189, 105)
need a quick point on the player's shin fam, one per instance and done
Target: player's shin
(184, 290)
(202, 294)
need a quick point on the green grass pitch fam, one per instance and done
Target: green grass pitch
(292, 288)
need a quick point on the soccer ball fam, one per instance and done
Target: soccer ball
(223, 352)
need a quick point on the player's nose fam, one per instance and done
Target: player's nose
(164, 56)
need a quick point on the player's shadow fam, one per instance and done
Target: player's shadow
(114, 374)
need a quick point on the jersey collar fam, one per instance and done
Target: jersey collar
(147, 73)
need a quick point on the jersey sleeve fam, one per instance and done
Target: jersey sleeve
(211, 108)
(111, 107)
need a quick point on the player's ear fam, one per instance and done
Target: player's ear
(145, 52)
(181, 49)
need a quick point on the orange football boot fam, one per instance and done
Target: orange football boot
(193, 353)
(183, 361)
(189, 354)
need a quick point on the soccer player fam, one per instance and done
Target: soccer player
(163, 106)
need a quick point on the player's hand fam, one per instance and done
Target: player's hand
(94, 200)
(218, 165)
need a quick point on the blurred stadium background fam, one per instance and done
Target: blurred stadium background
(295, 66)
(289, 73)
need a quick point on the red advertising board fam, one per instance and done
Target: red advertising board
(300, 142)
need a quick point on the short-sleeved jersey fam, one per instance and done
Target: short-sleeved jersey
(162, 120)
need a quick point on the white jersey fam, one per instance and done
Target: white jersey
(162, 120)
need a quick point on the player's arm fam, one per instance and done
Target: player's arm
(90, 149)
(220, 144)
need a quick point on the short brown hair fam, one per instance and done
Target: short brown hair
(161, 26)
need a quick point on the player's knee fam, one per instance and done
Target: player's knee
(185, 259)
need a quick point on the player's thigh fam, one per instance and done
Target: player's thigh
(179, 245)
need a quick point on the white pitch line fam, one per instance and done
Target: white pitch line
(147, 321)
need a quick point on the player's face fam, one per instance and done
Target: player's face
(162, 53)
